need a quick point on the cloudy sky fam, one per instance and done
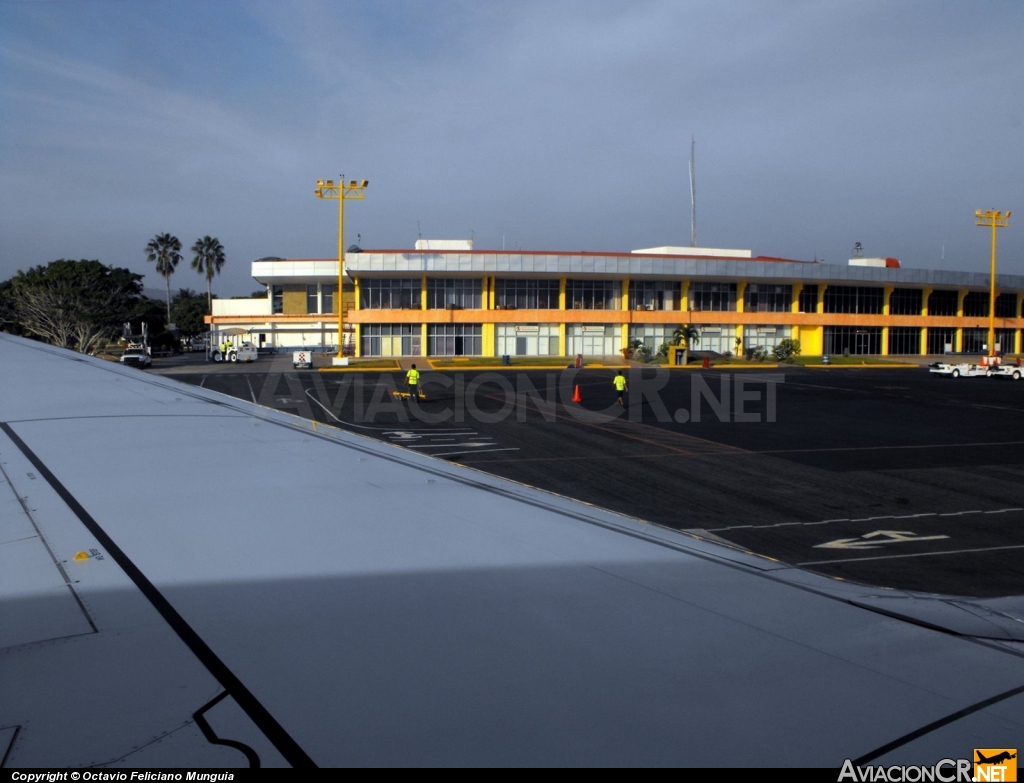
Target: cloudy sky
(536, 125)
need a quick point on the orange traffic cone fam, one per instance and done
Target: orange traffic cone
(576, 395)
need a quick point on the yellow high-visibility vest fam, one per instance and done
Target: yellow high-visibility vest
(413, 376)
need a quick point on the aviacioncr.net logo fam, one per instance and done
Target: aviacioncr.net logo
(945, 771)
(995, 764)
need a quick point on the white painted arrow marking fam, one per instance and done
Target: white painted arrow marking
(877, 539)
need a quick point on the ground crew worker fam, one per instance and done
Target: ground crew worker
(620, 386)
(412, 378)
(224, 349)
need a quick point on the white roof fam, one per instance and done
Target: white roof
(444, 244)
(700, 252)
(364, 605)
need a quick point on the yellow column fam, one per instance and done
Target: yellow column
(885, 336)
(925, 293)
(812, 340)
(741, 292)
(738, 347)
(338, 295)
(488, 339)
(684, 305)
(923, 345)
(493, 284)
(886, 296)
(423, 340)
(561, 307)
(624, 341)
(960, 295)
(423, 295)
(794, 306)
(358, 337)
(820, 308)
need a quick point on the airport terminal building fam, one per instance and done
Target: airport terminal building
(444, 298)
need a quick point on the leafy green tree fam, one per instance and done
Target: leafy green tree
(75, 304)
(165, 251)
(8, 314)
(208, 259)
(153, 312)
(189, 310)
(787, 350)
(686, 335)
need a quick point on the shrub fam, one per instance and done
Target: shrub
(757, 353)
(787, 350)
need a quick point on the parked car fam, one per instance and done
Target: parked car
(198, 345)
(136, 357)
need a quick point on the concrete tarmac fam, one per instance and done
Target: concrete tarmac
(889, 477)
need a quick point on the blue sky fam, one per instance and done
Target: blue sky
(537, 125)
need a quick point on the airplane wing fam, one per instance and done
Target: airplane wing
(190, 580)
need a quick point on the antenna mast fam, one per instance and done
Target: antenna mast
(693, 192)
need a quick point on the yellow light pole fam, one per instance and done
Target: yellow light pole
(996, 220)
(341, 192)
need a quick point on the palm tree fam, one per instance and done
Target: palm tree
(165, 250)
(686, 335)
(207, 260)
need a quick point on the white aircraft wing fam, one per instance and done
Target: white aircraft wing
(190, 580)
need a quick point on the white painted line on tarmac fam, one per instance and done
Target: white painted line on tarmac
(862, 519)
(917, 554)
(481, 451)
(251, 392)
(447, 445)
(431, 429)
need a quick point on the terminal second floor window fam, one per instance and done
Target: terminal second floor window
(1006, 306)
(327, 298)
(713, 296)
(457, 293)
(389, 293)
(312, 298)
(592, 294)
(942, 303)
(906, 301)
(655, 294)
(976, 304)
(809, 299)
(768, 298)
(526, 294)
(854, 299)
(277, 299)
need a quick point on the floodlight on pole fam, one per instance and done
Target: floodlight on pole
(994, 219)
(341, 192)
